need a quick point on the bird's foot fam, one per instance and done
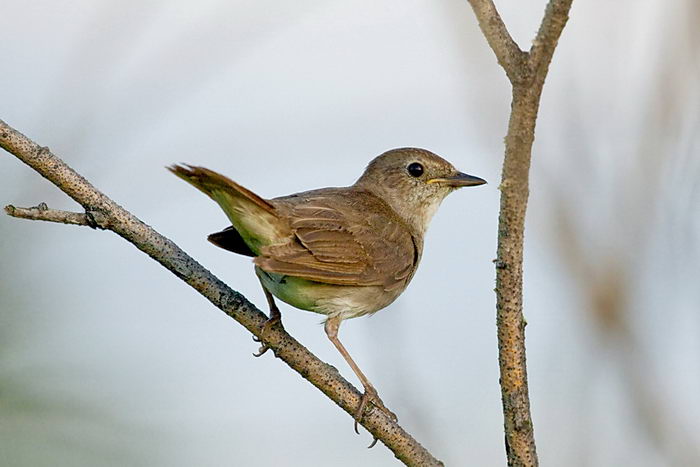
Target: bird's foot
(370, 397)
(272, 321)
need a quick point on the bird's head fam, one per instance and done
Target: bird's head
(413, 182)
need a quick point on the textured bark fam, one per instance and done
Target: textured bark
(103, 213)
(526, 72)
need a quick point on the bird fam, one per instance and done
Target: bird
(342, 252)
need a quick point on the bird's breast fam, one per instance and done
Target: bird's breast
(347, 301)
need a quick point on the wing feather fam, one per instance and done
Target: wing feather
(340, 240)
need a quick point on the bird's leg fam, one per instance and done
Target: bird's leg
(370, 395)
(275, 318)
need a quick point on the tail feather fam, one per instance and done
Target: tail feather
(253, 217)
(209, 182)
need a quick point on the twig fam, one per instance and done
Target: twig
(106, 214)
(510, 57)
(555, 17)
(43, 213)
(526, 72)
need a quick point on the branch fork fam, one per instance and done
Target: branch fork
(527, 72)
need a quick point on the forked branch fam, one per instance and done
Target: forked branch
(526, 72)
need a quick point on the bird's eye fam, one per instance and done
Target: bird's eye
(415, 169)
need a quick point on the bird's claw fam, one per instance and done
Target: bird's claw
(263, 348)
(371, 397)
(273, 320)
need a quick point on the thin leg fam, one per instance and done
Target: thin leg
(275, 314)
(275, 318)
(370, 395)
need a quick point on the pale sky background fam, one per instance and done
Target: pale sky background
(107, 359)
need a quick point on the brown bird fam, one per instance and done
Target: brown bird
(342, 252)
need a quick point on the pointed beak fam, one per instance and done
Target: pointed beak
(459, 180)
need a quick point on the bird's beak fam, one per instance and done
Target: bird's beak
(459, 180)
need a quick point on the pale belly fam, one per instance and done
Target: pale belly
(333, 300)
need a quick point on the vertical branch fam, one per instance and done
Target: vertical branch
(526, 72)
(520, 440)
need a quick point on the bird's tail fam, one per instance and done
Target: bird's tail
(253, 217)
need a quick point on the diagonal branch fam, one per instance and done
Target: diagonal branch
(510, 57)
(103, 213)
(556, 15)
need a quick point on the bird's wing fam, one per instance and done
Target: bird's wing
(344, 241)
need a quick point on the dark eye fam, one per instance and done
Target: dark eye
(415, 169)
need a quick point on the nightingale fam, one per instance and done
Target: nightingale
(342, 252)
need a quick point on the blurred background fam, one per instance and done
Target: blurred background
(106, 359)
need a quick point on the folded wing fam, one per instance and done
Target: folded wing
(344, 240)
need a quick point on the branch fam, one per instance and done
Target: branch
(510, 57)
(555, 17)
(103, 213)
(43, 213)
(527, 73)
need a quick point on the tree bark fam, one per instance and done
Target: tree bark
(527, 72)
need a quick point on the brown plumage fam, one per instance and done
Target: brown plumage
(342, 236)
(342, 252)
